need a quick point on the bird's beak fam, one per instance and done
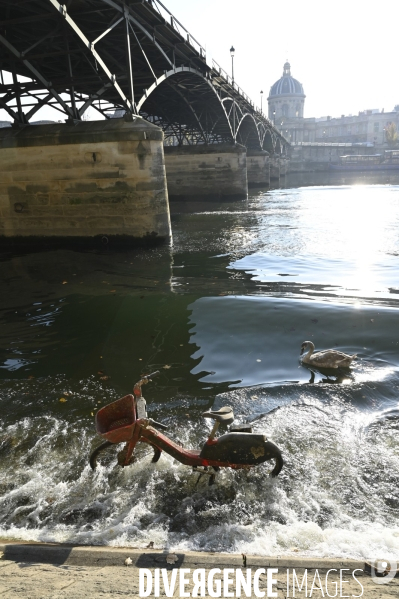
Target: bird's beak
(302, 350)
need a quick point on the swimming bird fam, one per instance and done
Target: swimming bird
(329, 358)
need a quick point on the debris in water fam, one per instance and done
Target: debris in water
(64, 282)
(62, 400)
(172, 558)
(128, 561)
(167, 366)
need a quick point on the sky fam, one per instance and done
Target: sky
(343, 52)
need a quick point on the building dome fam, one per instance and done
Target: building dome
(286, 98)
(287, 84)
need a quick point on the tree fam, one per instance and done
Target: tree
(391, 134)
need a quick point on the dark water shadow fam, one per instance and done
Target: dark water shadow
(331, 375)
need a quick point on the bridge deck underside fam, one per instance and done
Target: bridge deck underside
(110, 54)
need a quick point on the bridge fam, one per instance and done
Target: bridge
(135, 58)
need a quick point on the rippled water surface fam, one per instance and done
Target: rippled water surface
(222, 313)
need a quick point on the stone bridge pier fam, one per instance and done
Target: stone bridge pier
(258, 168)
(98, 180)
(218, 171)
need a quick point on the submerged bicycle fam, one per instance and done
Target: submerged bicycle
(126, 421)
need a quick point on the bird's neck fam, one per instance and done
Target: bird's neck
(309, 352)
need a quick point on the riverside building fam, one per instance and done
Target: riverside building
(286, 111)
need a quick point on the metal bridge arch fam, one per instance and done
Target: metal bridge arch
(247, 132)
(241, 119)
(212, 121)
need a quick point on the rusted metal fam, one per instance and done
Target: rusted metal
(116, 421)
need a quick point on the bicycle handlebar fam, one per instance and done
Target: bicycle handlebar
(143, 381)
(149, 376)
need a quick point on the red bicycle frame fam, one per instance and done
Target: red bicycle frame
(126, 420)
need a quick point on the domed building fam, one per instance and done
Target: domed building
(286, 103)
(286, 98)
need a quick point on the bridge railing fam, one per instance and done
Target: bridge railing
(177, 26)
(234, 85)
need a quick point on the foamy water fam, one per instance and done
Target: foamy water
(337, 494)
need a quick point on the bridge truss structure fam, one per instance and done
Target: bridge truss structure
(132, 56)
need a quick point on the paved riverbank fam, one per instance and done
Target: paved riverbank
(54, 571)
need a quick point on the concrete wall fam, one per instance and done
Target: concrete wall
(206, 172)
(258, 167)
(102, 178)
(274, 168)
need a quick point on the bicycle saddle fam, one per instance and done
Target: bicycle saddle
(224, 415)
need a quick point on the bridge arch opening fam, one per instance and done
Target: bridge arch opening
(186, 106)
(268, 143)
(247, 133)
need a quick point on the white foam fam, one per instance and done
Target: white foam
(336, 496)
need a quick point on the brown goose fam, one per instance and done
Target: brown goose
(329, 358)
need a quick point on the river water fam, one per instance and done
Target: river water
(222, 313)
